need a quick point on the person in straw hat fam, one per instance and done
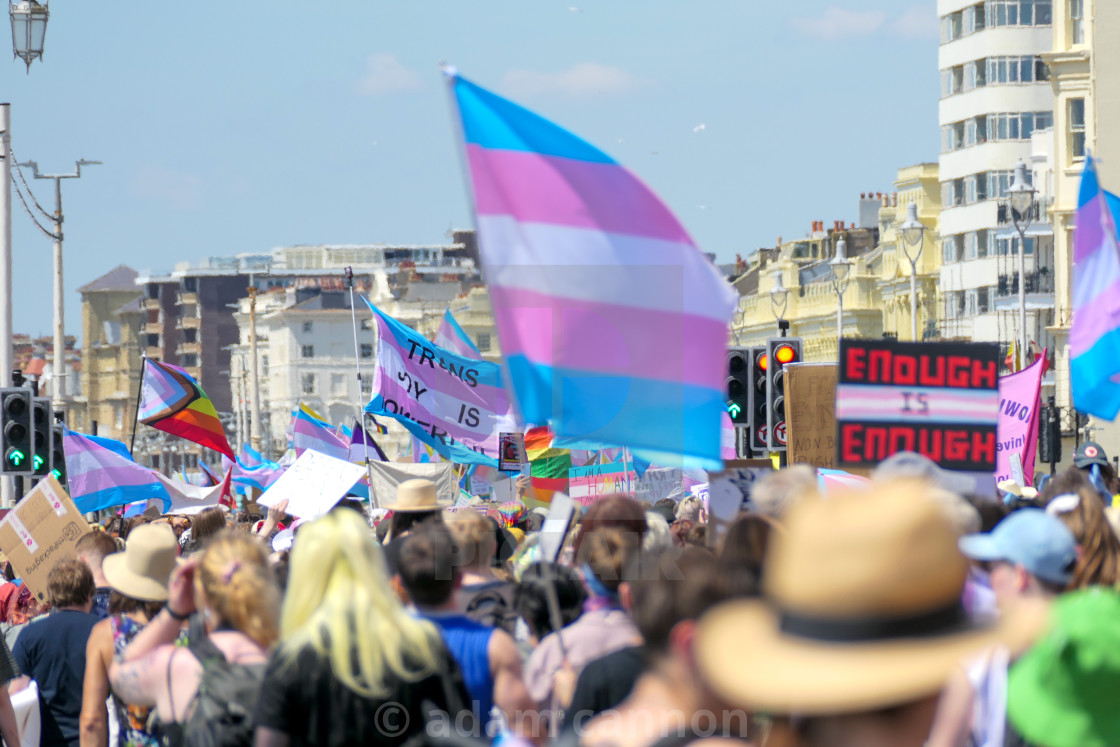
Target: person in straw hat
(138, 580)
(417, 501)
(860, 624)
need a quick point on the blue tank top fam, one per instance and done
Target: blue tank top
(469, 644)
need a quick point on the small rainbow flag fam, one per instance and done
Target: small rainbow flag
(172, 401)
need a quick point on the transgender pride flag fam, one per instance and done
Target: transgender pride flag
(612, 323)
(452, 337)
(1094, 335)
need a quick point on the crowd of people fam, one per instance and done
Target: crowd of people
(911, 611)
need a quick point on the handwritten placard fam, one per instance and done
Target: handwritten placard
(313, 484)
(811, 414)
(41, 530)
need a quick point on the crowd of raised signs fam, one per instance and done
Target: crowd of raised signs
(907, 611)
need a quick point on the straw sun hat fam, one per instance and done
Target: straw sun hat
(143, 569)
(417, 495)
(862, 610)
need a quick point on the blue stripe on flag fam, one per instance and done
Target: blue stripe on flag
(1095, 378)
(118, 496)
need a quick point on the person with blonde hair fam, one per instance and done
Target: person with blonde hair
(1098, 562)
(349, 650)
(233, 587)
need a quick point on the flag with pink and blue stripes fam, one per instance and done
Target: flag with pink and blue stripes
(452, 337)
(612, 323)
(1094, 334)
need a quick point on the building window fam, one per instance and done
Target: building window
(975, 188)
(952, 80)
(974, 18)
(307, 383)
(307, 328)
(951, 249)
(1009, 246)
(1028, 69)
(1019, 13)
(952, 137)
(983, 300)
(1077, 21)
(190, 335)
(975, 75)
(983, 247)
(367, 324)
(1077, 128)
(952, 193)
(189, 360)
(189, 285)
(951, 27)
(118, 416)
(338, 385)
(367, 350)
(483, 341)
(1000, 181)
(307, 351)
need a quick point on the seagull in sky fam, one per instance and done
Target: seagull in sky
(700, 127)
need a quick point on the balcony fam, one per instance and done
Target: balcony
(151, 304)
(188, 322)
(1036, 214)
(153, 352)
(1039, 281)
(152, 328)
(187, 298)
(189, 347)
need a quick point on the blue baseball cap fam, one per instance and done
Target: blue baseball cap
(1029, 537)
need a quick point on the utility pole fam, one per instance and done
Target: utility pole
(58, 364)
(254, 378)
(7, 487)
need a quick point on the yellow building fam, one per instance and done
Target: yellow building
(1085, 76)
(876, 296)
(112, 312)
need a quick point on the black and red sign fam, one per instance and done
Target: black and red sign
(938, 399)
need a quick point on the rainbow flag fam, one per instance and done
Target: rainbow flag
(173, 402)
(100, 474)
(310, 431)
(382, 430)
(612, 323)
(1094, 335)
(548, 466)
(452, 337)
(209, 479)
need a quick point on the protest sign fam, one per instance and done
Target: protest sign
(41, 530)
(588, 484)
(811, 414)
(510, 451)
(386, 476)
(555, 526)
(1019, 405)
(313, 484)
(453, 404)
(660, 482)
(938, 399)
(729, 493)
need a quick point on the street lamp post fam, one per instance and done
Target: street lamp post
(59, 361)
(913, 235)
(1021, 196)
(779, 296)
(841, 275)
(29, 29)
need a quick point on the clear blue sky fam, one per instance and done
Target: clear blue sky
(238, 127)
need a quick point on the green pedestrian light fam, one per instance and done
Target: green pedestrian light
(16, 458)
(36, 462)
(57, 474)
(734, 409)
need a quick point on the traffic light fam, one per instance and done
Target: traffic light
(780, 352)
(41, 436)
(758, 389)
(738, 385)
(15, 438)
(58, 454)
(1049, 435)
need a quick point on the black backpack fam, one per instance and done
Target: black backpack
(221, 715)
(492, 605)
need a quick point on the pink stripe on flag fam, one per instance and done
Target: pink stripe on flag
(1090, 233)
(545, 189)
(605, 338)
(1095, 322)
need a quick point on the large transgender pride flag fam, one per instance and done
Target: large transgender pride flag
(452, 337)
(1094, 335)
(612, 323)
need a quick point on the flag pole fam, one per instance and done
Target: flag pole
(139, 391)
(358, 372)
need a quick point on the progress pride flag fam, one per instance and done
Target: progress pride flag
(938, 399)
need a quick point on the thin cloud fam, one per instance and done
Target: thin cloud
(840, 23)
(585, 79)
(386, 75)
(918, 22)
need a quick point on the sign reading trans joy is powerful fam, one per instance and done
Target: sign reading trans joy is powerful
(938, 399)
(454, 404)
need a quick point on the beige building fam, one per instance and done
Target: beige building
(876, 298)
(1085, 76)
(112, 311)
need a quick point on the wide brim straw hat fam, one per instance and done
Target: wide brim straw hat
(862, 611)
(143, 569)
(417, 495)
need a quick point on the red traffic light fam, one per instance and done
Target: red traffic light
(762, 361)
(785, 354)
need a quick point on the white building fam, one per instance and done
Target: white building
(995, 93)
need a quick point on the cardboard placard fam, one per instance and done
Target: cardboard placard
(313, 485)
(729, 493)
(588, 484)
(938, 399)
(811, 414)
(41, 530)
(510, 449)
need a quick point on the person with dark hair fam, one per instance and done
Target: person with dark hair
(92, 549)
(1093, 462)
(207, 524)
(743, 553)
(488, 657)
(619, 512)
(666, 690)
(53, 652)
(138, 578)
(604, 626)
(531, 597)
